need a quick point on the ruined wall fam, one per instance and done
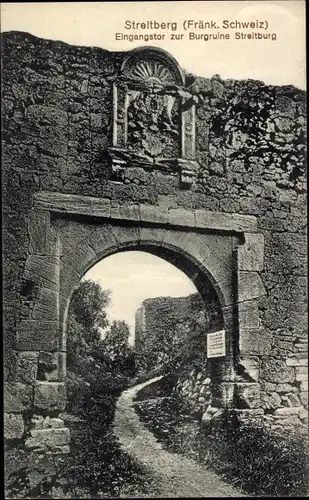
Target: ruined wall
(164, 326)
(250, 148)
(172, 333)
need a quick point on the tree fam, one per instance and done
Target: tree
(118, 349)
(88, 304)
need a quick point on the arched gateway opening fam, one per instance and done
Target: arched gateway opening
(165, 316)
(86, 244)
(70, 233)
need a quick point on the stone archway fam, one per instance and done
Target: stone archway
(71, 233)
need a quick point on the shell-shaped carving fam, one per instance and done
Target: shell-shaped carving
(151, 72)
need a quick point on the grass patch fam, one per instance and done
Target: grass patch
(259, 461)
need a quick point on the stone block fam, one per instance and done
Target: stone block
(56, 423)
(303, 415)
(247, 395)
(250, 367)
(275, 370)
(128, 212)
(14, 426)
(48, 439)
(304, 385)
(225, 222)
(153, 235)
(38, 228)
(304, 397)
(301, 377)
(50, 396)
(181, 217)
(126, 236)
(46, 305)
(18, 397)
(43, 270)
(255, 342)
(153, 213)
(49, 360)
(291, 399)
(250, 286)
(288, 411)
(249, 416)
(37, 335)
(296, 362)
(62, 366)
(223, 395)
(48, 366)
(250, 255)
(27, 367)
(248, 314)
(270, 401)
(103, 239)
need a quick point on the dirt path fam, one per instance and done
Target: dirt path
(176, 476)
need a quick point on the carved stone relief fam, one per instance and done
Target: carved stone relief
(153, 117)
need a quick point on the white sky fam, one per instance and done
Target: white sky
(277, 62)
(135, 276)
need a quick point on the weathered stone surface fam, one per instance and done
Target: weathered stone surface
(56, 423)
(247, 395)
(223, 395)
(291, 400)
(304, 398)
(251, 254)
(18, 397)
(37, 335)
(44, 270)
(249, 416)
(181, 217)
(254, 342)
(275, 370)
(13, 426)
(50, 395)
(288, 411)
(46, 305)
(48, 439)
(296, 362)
(248, 314)
(271, 400)
(250, 286)
(39, 227)
(250, 367)
(72, 204)
(27, 367)
(150, 213)
(222, 221)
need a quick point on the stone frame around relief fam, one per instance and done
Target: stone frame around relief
(151, 73)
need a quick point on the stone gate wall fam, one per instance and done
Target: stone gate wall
(250, 153)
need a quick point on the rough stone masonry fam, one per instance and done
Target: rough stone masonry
(105, 152)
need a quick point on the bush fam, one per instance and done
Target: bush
(259, 461)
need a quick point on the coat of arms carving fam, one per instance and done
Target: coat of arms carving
(154, 116)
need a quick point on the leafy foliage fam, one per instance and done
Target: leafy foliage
(87, 306)
(259, 461)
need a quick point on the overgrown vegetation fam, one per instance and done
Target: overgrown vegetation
(100, 365)
(259, 461)
(98, 370)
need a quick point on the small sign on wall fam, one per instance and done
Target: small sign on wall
(216, 344)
